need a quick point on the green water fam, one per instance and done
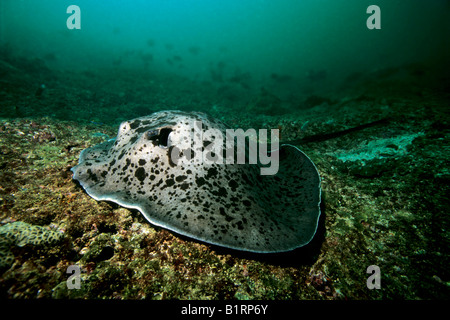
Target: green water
(128, 59)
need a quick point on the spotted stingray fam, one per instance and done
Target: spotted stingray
(230, 205)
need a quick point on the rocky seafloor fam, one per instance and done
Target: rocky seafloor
(381, 145)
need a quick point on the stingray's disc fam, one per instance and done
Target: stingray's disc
(230, 205)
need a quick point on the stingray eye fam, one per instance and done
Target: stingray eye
(152, 134)
(159, 137)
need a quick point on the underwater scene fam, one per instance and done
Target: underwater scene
(225, 150)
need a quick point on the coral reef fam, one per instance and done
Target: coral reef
(21, 234)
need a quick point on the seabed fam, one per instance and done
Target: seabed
(385, 189)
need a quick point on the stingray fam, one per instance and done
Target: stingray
(226, 204)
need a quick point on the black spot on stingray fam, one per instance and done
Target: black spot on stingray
(180, 178)
(128, 162)
(135, 124)
(133, 139)
(140, 174)
(170, 182)
(142, 162)
(184, 186)
(247, 203)
(212, 172)
(228, 218)
(221, 192)
(155, 160)
(92, 176)
(233, 184)
(124, 151)
(159, 183)
(200, 181)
